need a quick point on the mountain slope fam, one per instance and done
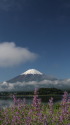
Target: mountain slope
(31, 75)
(32, 79)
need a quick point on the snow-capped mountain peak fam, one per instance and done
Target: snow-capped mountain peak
(32, 71)
(31, 79)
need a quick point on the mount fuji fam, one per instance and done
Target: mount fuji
(31, 75)
(31, 79)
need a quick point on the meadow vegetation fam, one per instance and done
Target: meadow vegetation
(37, 113)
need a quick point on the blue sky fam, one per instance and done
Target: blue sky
(34, 34)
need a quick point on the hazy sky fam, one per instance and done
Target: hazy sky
(34, 34)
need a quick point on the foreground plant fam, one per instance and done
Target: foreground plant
(37, 113)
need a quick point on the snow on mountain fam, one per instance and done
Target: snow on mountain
(31, 75)
(32, 79)
(32, 71)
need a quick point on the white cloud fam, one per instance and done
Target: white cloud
(29, 86)
(11, 55)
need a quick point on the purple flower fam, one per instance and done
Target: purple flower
(51, 105)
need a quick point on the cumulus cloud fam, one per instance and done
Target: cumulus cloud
(29, 86)
(11, 55)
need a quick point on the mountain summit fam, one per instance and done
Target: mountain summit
(31, 79)
(32, 71)
(31, 75)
